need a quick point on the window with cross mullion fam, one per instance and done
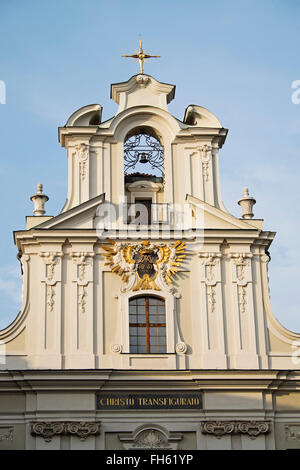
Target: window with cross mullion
(147, 325)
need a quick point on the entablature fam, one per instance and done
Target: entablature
(108, 379)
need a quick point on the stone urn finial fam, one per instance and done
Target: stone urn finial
(39, 199)
(247, 202)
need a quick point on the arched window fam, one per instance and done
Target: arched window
(147, 325)
(144, 162)
(143, 154)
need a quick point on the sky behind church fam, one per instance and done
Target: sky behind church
(238, 58)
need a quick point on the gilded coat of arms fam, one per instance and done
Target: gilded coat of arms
(144, 265)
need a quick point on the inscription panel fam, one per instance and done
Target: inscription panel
(148, 400)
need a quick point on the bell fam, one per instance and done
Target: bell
(143, 158)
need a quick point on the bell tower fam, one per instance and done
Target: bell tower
(184, 154)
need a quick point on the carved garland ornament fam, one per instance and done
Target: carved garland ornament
(81, 429)
(50, 260)
(83, 153)
(145, 265)
(242, 262)
(82, 260)
(205, 152)
(50, 297)
(210, 262)
(221, 428)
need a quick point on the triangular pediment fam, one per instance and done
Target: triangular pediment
(213, 218)
(79, 217)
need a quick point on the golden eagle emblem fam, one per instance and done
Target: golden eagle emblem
(153, 266)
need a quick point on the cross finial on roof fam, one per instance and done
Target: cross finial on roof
(141, 56)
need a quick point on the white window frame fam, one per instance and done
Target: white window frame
(171, 324)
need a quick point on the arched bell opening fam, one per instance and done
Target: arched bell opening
(143, 155)
(144, 176)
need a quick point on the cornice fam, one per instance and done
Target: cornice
(82, 131)
(36, 236)
(205, 380)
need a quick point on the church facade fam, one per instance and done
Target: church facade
(146, 320)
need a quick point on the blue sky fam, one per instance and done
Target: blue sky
(238, 58)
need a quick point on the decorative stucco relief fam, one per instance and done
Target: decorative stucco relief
(242, 277)
(242, 294)
(210, 277)
(150, 438)
(205, 153)
(24, 263)
(116, 348)
(51, 276)
(181, 348)
(49, 429)
(222, 428)
(50, 297)
(265, 258)
(292, 432)
(82, 261)
(82, 151)
(145, 265)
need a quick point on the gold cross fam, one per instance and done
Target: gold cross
(141, 56)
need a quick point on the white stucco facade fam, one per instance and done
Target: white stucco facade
(71, 337)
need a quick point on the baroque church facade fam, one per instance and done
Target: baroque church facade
(146, 320)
